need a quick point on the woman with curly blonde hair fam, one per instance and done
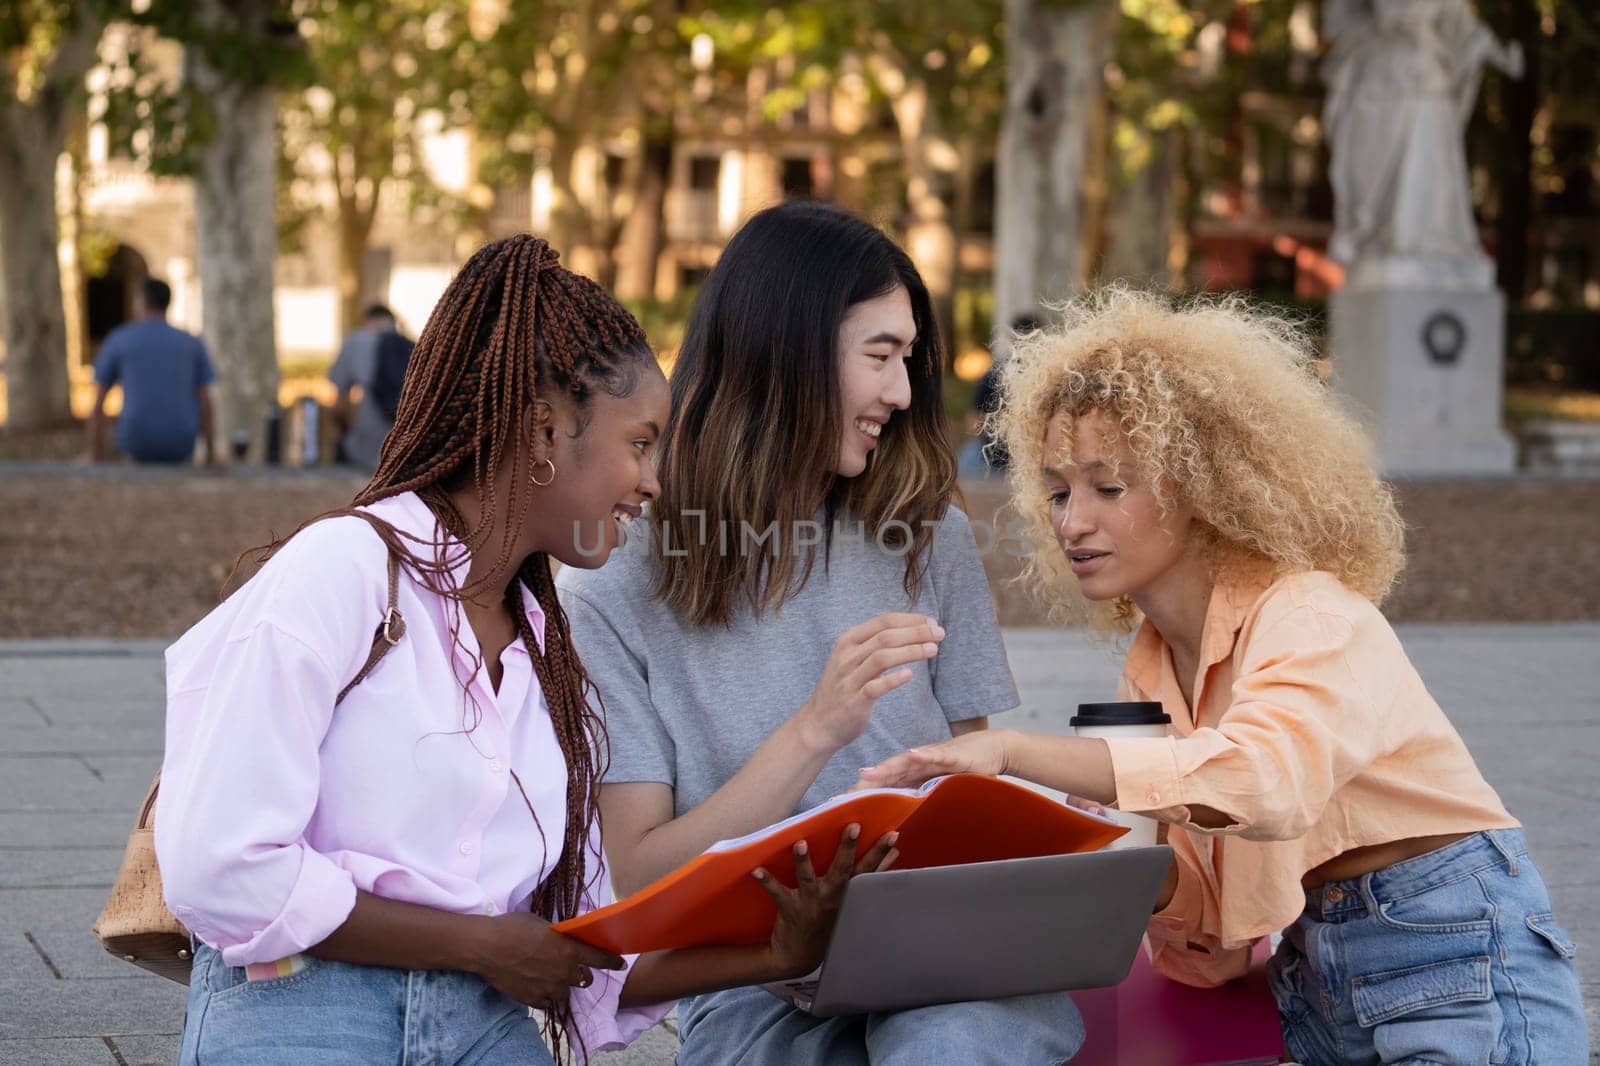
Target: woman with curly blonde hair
(1186, 478)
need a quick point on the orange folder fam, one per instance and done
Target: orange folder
(712, 899)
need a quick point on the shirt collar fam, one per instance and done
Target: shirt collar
(1233, 596)
(420, 530)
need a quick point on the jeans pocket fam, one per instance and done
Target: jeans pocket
(1381, 997)
(1552, 934)
(1462, 906)
(233, 985)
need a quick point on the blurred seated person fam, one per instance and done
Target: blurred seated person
(983, 456)
(368, 372)
(164, 373)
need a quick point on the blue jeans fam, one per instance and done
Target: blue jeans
(752, 1027)
(337, 1013)
(1450, 957)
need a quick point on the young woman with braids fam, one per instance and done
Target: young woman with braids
(375, 883)
(806, 566)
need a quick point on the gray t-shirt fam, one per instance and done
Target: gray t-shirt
(688, 705)
(357, 364)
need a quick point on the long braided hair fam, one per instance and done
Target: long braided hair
(512, 327)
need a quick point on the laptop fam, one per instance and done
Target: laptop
(947, 934)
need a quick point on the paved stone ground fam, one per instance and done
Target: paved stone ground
(80, 736)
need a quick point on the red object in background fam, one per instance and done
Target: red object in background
(1150, 1019)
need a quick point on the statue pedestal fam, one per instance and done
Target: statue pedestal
(1426, 368)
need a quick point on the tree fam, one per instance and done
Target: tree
(374, 70)
(1055, 58)
(220, 126)
(562, 77)
(46, 47)
(234, 58)
(934, 65)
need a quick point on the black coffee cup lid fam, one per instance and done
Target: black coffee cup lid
(1128, 712)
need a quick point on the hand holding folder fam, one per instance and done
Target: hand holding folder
(949, 821)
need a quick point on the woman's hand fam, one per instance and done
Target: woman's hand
(858, 675)
(806, 913)
(982, 752)
(533, 964)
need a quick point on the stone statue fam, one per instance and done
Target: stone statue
(1402, 77)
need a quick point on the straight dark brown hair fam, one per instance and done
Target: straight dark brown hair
(755, 427)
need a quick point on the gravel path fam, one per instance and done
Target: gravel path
(118, 551)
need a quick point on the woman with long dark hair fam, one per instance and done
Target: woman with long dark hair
(818, 604)
(372, 855)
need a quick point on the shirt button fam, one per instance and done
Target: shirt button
(494, 766)
(488, 908)
(1155, 797)
(465, 847)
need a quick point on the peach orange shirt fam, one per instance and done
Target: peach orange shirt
(1312, 731)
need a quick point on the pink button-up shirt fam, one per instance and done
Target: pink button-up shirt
(275, 807)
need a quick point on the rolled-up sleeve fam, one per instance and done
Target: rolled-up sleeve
(1299, 725)
(602, 1023)
(238, 787)
(1183, 945)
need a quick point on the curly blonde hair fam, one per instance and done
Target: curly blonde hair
(1222, 409)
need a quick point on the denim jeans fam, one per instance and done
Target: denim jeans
(1450, 957)
(752, 1027)
(336, 1013)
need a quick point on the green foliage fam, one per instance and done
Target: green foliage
(31, 35)
(165, 121)
(372, 70)
(954, 47)
(1555, 348)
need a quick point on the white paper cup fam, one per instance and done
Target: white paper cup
(1111, 721)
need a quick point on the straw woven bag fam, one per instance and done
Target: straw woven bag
(136, 925)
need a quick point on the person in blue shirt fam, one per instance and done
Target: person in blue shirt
(164, 373)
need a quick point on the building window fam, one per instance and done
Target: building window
(616, 167)
(797, 182)
(704, 172)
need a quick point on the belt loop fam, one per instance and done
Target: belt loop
(1370, 898)
(1503, 849)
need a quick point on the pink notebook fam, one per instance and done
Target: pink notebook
(1151, 1019)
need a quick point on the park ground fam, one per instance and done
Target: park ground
(1499, 607)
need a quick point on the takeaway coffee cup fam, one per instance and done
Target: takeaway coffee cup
(1132, 718)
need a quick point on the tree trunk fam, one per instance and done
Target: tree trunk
(644, 232)
(37, 392)
(1521, 98)
(572, 227)
(1055, 58)
(969, 154)
(354, 224)
(930, 236)
(32, 136)
(1143, 213)
(236, 224)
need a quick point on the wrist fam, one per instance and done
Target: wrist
(774, 966)
(810, 736)
(1006, 741)
(472, 944)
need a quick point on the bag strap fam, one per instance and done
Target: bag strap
(389, 632)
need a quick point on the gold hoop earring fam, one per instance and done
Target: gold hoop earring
(549, 479)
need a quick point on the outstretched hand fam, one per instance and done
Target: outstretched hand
(979, 752)
(806, 913)
(985, 751)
